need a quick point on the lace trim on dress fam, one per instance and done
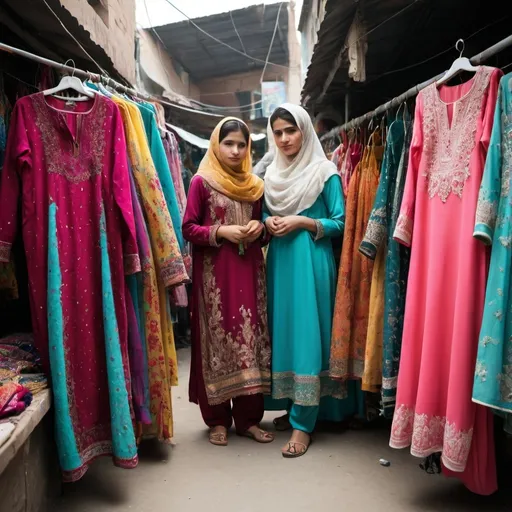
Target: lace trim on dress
(448, 148)
(427, 434)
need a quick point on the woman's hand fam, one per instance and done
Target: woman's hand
(233, 234)
(287, 225)
(271, 224)
(254, 231)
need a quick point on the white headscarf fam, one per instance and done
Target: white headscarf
(291, 188)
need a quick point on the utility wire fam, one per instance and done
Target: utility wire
(222, 42)
(271, 42)
(234, 26)
(74, 38)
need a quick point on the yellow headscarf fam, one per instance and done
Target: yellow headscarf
(240, 185)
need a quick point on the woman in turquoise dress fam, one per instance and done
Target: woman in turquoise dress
(304, 210)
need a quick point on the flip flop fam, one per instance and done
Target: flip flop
(218, 438)
(292, 453)
(265, 438)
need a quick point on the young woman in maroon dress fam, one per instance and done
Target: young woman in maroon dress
(230, 369)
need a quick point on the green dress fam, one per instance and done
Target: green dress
(301, 280)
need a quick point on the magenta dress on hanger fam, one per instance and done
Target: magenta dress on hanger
(447, 279)
(67, 166)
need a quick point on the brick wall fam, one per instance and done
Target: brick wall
(112, 28)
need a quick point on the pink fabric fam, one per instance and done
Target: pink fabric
(77, 161)
(447, 280)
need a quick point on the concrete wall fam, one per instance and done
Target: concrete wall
(159, 75)
(294, 74)
(221, 90)
(112, 28)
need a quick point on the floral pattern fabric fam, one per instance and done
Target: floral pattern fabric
(390, 273)
(493, 375)
(351, 313)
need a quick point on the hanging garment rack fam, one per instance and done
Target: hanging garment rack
(413, 91)
(97, 78)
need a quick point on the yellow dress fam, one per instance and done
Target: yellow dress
(164, 268)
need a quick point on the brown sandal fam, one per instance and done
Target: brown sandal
(218, 438)
(264, 437)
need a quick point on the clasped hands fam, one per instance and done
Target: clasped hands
(282, 226)
(245, 235)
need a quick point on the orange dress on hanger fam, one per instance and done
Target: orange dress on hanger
(350, 325)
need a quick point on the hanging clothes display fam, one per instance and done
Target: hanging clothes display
(493, 374)
(350, 324)
(165, 268)
(68, 165)
(383, 348)
(446, 287)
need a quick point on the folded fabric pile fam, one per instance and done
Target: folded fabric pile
(20, 374)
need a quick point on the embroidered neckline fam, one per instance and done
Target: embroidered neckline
(448, 146)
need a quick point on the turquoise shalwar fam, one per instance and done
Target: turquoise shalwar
(301, 278)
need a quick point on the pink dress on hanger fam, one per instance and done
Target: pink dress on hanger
(447, 279)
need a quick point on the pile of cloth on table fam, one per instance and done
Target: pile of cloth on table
(20, 374)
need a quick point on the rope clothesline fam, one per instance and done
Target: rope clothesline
(413, 91)
(95, 77)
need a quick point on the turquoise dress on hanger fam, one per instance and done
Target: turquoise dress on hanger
(301, 281)
(493, 374)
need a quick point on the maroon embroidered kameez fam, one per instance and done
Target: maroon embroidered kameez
(230, 341)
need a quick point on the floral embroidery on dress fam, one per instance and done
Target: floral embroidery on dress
(77, 164)
(376, 231)
(486, 211)
(232, 361)
(427, 434)
(448, 149)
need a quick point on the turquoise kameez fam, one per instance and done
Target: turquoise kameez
(301, 279)
(493, 374)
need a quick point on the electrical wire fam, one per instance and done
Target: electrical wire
(226, 110)
(271, 42)
(74, 38)
(234, 26)
(255, 59)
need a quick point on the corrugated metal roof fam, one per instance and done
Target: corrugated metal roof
(204, 58)
(404, 49)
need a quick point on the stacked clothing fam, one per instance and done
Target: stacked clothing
(20, 374)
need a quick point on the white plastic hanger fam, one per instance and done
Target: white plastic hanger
(460, 64)
(70, 82)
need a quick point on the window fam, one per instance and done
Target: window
(101, 8)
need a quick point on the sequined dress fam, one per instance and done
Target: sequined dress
(67, 165)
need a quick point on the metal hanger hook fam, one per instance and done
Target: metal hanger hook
(461, 43)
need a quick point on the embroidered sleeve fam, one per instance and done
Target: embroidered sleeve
(5, 252)
(403, 230)
(131, 264)
(320, 231)
(375, 233)
(213, 235)
(495, 180)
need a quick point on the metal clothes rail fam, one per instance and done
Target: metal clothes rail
(413, 91)
(95, 77)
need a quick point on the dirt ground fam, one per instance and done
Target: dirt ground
(341, 472)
